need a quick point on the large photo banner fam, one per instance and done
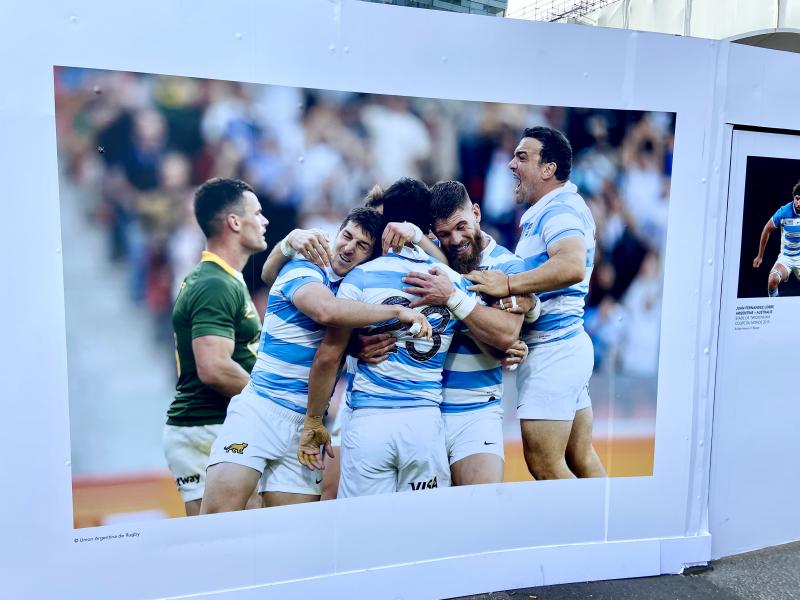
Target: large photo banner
(134, 150)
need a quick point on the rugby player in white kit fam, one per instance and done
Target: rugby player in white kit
(472, 380)
(557, 244)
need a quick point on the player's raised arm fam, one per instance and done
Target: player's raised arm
(762, 243)
(397, 235)
(311, 244)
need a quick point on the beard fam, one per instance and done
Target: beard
(464, 263)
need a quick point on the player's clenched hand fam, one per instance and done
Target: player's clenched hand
(517, 304)
(515, 354)
(434, 288)
(757, 262)
(395, 236)
(311, 244)
(491, 283)
(313, 437)
(376, 348)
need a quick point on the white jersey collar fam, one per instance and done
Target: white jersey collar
(413, 252)
(567, 188)
(332, 276)
(489, 247)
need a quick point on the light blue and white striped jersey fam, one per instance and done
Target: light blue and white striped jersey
(560, 214)
(289, 339)
(411, 376)
(789, 222)
(471, 379)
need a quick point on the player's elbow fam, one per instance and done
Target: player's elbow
(325, 314)
(326, 360)
(573, 273)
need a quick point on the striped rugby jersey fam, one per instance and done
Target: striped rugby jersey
(411, 376)
(289, 338)
(789, 222)
(560, 214)
(471, 379)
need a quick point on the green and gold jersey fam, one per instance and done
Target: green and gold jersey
(213, 300)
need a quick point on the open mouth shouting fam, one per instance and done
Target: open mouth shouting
(517, 184)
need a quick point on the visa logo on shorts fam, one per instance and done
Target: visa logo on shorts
(236, 448)
(180, 481)
(424, 485)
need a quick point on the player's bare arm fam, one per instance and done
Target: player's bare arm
(216, 367)
(321, 380)
(311, 244)
(317, 302)
(565, 266)
(517, 303)
(762, 243)
(517, 353)
(396, 235)
(497, 328)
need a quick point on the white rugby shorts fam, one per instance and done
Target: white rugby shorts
(474, 432)
(186, 450)
(263, 435)
(792, 264)
(553, 382)
(388, 450)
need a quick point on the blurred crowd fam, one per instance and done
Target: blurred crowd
(137, 145)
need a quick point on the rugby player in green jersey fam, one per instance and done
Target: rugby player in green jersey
(216, 329)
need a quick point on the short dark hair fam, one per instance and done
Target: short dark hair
(216, 197)
(555, 148)
(446, 198)
(369, 220)
(408, 200)
(796, 189)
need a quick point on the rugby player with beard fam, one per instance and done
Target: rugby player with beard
(472, 380)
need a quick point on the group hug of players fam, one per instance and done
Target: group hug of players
(418, 310)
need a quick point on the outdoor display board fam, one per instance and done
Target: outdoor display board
(756, 340)
(89, 368)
